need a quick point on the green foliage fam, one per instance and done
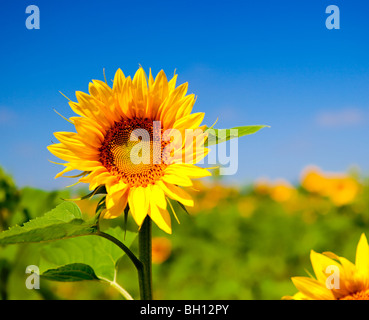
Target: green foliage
(234, 244)
(64, 221)
(70, 272)
(9, 198)
(72, 248)
(216, 136)
(99, 254)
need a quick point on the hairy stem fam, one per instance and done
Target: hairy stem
(144, 253)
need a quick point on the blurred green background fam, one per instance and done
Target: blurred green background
(238, 242)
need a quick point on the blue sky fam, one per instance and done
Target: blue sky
(248, 62)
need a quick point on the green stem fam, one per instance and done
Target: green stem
(120, 289)
(121, 245)
(144, 254)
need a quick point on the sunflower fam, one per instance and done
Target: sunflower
(336, 277)
(132, 139)
(341, 189)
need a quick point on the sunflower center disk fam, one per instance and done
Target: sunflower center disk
(360, 295)
(132, 151)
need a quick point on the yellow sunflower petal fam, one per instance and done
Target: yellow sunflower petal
(138, 200)
(191, 121)
(61, 152)
(320, 263)
(296, 296)
(104, 178)
(125, 99)
(189, 170)
(117, 186)
(172, 83)
(176, 193)
(85, 165)
(102, 92)
(158, 194)
(151, 79)
(79, 148)
(116, 203)
(173, 177)
(169, 108)
(88, 107)
(87, 130)
(61, 173)
(362, 256)
(118, 81)
(158, 92)
(186, 105)
(312, 288)
(140, 90)
(160, 215)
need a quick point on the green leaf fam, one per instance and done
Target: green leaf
(183, 207)
(71, 272)
(216, 136)
(65, 221)
(100, 254)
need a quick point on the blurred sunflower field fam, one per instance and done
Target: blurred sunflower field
(238, 242)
